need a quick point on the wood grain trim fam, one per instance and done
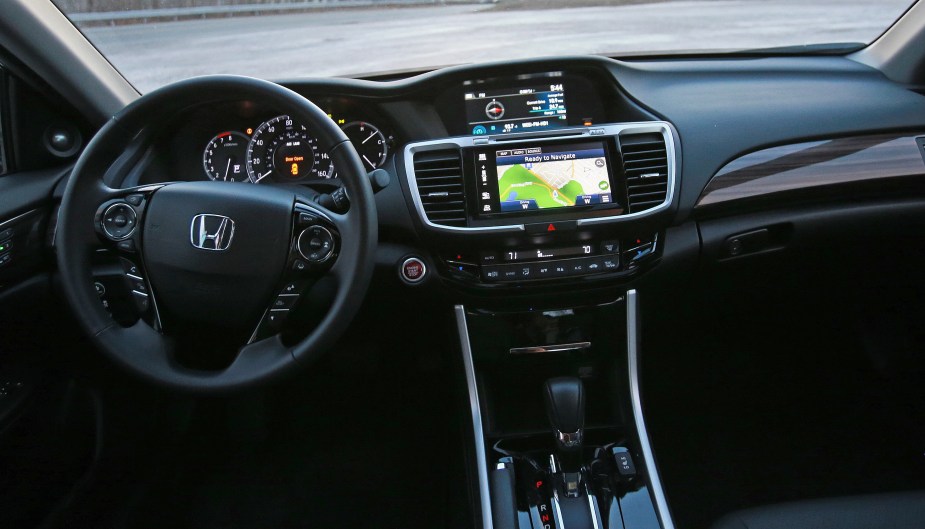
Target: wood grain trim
(815, 164)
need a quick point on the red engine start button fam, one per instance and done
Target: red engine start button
(413, 270)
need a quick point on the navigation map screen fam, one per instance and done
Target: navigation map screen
(522, 109)
(539, 178)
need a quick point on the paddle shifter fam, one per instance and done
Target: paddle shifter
(565, 405)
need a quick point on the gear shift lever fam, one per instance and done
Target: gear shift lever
(565, 405)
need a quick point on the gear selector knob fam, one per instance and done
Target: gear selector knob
(565, 405)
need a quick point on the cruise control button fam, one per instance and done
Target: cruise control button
(142, 301)
(136, 283)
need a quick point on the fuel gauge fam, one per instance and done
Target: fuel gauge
(369, 142)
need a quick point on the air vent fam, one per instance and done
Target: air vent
(645, 164)
(440, 184)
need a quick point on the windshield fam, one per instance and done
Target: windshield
(155, 42)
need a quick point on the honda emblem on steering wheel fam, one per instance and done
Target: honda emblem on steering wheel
(211, 232)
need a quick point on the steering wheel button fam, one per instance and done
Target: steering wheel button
(126, 246)
(130, 268)
(135, 200)
(118, 221)
(315, 243)
(284, 301)
(137, 284)
(276, 317)
(307, 219)
(299, 265)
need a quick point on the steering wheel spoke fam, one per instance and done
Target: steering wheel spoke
(118, 223)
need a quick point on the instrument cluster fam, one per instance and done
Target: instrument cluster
(281, 150)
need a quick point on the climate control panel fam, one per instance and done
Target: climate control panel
(549, 263)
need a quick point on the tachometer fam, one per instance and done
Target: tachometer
(369, 142)
(224, 157)
(284, 151)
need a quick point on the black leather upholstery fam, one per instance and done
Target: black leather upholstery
(901, 510)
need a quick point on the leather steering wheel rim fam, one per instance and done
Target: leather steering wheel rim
(140, 348)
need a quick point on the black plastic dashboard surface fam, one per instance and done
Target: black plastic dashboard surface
(724, 108)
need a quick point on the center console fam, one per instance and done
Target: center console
(559, 436)
(537, 199)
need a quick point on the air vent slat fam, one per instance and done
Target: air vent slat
(645, 166)
(439, 180)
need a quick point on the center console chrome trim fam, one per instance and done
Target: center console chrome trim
(584, 133)
(632, 348)
(478, 432)
(560, 348)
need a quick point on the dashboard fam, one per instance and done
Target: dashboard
(563, 174)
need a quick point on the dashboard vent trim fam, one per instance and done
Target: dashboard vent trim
(438, 176)
(645, 166)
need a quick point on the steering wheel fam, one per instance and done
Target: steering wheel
(214, 258)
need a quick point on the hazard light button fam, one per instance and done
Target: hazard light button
(542, 228)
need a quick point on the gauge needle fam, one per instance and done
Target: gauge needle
(261, 177)
(227, 167)
(371, 164)
(371, 136)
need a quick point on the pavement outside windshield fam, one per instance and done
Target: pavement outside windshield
(356, 41)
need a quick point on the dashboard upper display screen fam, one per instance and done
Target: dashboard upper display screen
(533, 178)
(523, 109)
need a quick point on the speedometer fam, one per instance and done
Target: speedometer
(283, 150)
